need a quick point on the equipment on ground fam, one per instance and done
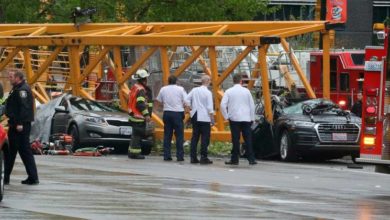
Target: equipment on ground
(59, 144)
(93, 151)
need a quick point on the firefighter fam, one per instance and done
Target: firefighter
(20, 112)
(140, 107)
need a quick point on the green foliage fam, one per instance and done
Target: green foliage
(387, 21)
(60, 10)
(55, 11)
(216, 148)
(18, 11)
(194, 10)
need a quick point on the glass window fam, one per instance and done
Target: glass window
(358, 58)
(333, 81)
(344, 82)
(64, 103)
(333, 65)
(87, 105)
(360, 81)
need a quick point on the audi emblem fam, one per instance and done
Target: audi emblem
(338, 127)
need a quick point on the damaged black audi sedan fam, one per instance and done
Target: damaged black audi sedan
(312, 127)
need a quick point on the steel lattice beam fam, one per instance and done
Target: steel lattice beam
(201, 37)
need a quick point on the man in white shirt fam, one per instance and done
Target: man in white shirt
(173, 97)
(238, 107)
(200, 100)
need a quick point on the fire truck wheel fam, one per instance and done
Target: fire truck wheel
(74, 132)
(287, 151)
(353, 157)
(1, 175)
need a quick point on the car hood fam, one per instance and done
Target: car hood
(328, 118)
(106, 115)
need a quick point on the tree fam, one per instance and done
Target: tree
(18, 11)
(195, 10)
(54, 11)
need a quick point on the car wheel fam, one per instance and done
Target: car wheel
(287, 151)
(74, 132)
(1, 175)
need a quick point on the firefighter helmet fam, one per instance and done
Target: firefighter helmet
(140, 74)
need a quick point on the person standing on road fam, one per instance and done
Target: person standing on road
(20, 112)
(357, 107)
(200, 101)
(140, 108)
(238, 107)
(173, 97)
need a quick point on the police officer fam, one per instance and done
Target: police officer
(20, 113)
(140, 107)
(357, 107)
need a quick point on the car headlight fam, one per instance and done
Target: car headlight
(96, 120)
(304, 124)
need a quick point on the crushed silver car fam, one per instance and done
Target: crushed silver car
(90, 123)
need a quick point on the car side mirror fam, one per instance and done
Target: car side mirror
(61, 109)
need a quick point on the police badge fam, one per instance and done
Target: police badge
(23, 94)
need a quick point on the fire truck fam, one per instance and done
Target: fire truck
(346, 75)
(375, 138)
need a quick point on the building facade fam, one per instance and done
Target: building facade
(362, 14)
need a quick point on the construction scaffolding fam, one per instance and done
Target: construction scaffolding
(182, 49)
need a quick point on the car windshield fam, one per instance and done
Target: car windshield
(88, 105)
(294, 109)
(314, 103)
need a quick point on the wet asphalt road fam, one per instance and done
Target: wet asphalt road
(114, 187)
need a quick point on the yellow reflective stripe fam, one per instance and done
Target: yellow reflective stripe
(140, 99)
(150, 104)
(136, 119)
(144, 112)
(134, 150)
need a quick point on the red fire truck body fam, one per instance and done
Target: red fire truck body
(375, 138)
(346, 75)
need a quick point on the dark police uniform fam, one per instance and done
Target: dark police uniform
(357, 108)
(20, 111)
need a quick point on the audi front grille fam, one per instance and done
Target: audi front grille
(340, 133)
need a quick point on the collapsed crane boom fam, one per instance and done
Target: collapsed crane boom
(202, 37)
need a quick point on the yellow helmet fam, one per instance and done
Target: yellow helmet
(140, 74)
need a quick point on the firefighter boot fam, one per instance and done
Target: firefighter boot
(135, 153)
(136, 156)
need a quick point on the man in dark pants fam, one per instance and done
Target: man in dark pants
(238, 107)
(173, 97)
(20, 113)
(202, 114)
(140, 111)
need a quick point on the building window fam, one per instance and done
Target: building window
(333, 81)
(360, 81)
(344, 82)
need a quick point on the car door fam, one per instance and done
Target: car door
(61, 118)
